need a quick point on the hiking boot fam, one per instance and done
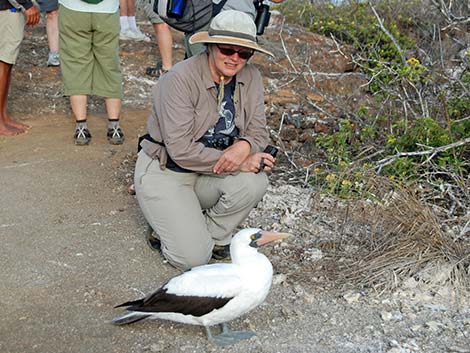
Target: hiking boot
(115, 136)
(153, 241)
(53, 59)
(82, 136)
(221, 252)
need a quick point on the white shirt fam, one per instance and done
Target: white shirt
(106, 6)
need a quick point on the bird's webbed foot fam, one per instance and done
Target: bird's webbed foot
(228, 337)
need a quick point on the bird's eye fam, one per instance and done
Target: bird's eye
(253, 237)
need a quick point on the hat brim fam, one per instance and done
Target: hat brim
(203, 37)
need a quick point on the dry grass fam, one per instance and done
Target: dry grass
(405, 240)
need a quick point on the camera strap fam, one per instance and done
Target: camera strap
(17, 5)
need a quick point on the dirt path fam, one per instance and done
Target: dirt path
(71, 239)
(72, 248)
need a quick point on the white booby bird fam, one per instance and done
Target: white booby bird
(213, 294)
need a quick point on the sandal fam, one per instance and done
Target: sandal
(156, 71)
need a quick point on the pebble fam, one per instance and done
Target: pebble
(410, 283)
(386, 315)
(351, 297)
(279, 279)
(458, 349)
(433, 325)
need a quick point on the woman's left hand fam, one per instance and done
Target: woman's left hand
(258, 162)
(233, 157)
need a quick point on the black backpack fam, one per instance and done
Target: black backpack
(187, 15)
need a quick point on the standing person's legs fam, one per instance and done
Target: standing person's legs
(165, 44)
(164, 41)
(78, 104)
(124, 23)
(227, 201)
(51, 8)
(172, 209)
(52, 29)
(12, 29)
(76, 58)
(129, 29)
(5, 74)
(107, 78)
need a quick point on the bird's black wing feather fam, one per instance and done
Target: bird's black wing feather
(161, 301)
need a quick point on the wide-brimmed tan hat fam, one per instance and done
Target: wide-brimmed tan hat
(230, 27)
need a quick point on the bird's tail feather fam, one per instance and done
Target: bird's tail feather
(129, 319)
(129, 303)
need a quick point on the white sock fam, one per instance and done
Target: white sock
(123, 20)
(131, 22)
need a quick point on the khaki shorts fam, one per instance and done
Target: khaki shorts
(89, 53)
(12, 31)
(147, 6)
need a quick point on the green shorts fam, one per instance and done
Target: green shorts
(89, 53)
(12, 29)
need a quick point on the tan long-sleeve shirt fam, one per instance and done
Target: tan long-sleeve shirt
(185, 107)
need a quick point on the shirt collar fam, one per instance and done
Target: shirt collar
(203, 60)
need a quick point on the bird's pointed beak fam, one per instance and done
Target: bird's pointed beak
(268, 237)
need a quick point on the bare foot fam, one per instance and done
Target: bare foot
(17, 125)
(6, 131)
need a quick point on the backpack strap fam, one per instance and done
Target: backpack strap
(216, 8)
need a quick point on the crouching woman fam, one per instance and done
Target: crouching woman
(201, 170)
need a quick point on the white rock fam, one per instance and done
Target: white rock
(279, 278)
(386, 315)
(395, 350)
(433, 325)
(410, 283)
(351, 297)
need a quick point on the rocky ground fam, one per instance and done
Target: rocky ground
(72, 236)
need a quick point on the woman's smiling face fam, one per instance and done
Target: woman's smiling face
(227, 65)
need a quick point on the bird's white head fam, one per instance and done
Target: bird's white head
(249, 239)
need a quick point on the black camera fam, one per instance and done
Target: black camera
(272, 150)
(262, 17)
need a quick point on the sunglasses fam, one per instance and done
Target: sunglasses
(243, 53)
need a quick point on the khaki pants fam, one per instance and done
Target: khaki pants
(89, 53)
(191, 212)
(12, 29)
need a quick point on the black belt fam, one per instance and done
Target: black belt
(148, 138)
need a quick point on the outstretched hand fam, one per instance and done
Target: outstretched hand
(233, 157)
(32, 16)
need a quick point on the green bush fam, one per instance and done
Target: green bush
(419, 105)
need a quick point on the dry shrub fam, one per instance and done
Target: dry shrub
(406, 240)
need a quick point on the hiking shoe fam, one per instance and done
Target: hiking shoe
(136, 35)
(53, 59)
(221, 252)
(115, 136)
(82, 136)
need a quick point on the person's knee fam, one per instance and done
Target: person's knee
(188, 259)
(251, 187)
(161, 27)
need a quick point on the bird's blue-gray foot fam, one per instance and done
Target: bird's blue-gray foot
(228, 337)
